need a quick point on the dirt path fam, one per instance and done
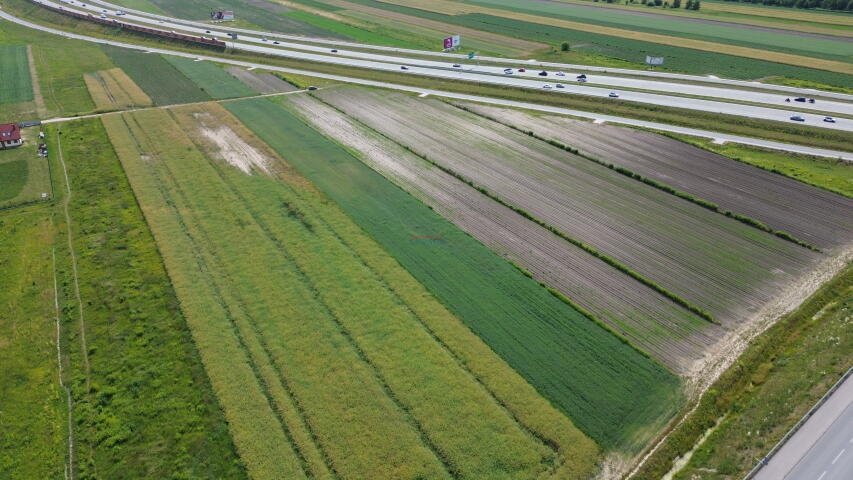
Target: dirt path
(41, 109)
(69, 465)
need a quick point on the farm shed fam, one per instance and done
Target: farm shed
(10, 136)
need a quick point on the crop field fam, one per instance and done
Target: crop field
(113, 90)
(33, 420)
(211, 79)
(24, 176)
(651, 232)
(160, 80)
(815, 216)
(559, 350)
(15, 82)
(670, 333)
(263, 83)
(141, 403)
(335, 364)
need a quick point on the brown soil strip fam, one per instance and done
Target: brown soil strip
(41, 109)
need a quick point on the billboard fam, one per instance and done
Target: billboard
(222, 15)
(654, 61)
(452, 42)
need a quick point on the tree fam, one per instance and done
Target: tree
(689, 5)
(676, 3)
(696, 4)
(658, 3)
(564, 47)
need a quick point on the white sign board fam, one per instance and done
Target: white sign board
(452, 42)
(654, 61)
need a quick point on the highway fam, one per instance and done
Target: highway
(716, 136)
(773, 106)
(822, 449)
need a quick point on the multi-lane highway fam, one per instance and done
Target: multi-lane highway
(737, 101)
(822, 449)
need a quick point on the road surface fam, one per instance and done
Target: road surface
(822, 449)
(713, 99)
(719, 137)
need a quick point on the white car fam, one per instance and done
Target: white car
(546, 87)
(508, 71)
(119, 12)
(613, 95)
(828, 119)
(560, 74)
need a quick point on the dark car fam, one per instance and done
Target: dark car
(798, 118)
(334, 50)
(522, 70)
(456, 65)
(403, 67)
(543, 73)
(800, 99)
(312, 88)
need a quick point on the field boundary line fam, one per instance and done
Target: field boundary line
(69, 465)
(65, 204)
(706, 204)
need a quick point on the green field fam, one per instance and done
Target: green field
(315, 330)
(560, 350)
(211, 79)
(142, 404)
(164, 83)
(24, 176)
(33, 419)
(15, 81)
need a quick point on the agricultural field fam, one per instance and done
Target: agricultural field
(158, 78)
(819, 218)
(650, 321)
(113, 90)
(345, 359)
(264, 83)
(15, 81)
(559, 352)
(24, 176)
(211, 79)
(141, 403)
(643, 229)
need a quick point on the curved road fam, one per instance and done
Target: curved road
(719, 137)
(495, 75)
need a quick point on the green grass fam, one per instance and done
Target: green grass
(211, 79)
(24, 176)
(164, 83)
(15, 81)
(33, 418)
(830, 174)
(792, 42)
(372, 33)
(550, 344)
(778, 378)
(144, 408)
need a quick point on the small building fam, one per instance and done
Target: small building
(10, 135)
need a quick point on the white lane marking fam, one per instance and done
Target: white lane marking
(821, 475)
(839, 455)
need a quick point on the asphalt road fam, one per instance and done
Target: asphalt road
(822, 449)
(776, 109)
(719, 137)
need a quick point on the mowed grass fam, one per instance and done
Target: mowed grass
(24, 176)
(143, 408)
(112, 89)
(553, 346)
(32, 404)
(15, 82)
(211, 79)
(342, 357)
(160, 80)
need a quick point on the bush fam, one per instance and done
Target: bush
(564, 47)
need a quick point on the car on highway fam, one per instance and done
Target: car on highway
(334, 50)
(403, 67)
(798, 118)
(828, 119)
(121, 12)
(275, 42)
(800, 99)
(560, 74)
(581, 80)
(263, 39)
(508, 71)
(312, 88)
(581, 76)
(613, 95)
(456, 65)
(206, 31)
(560, 85)
(546, 87)
(522, 70)
(543, 73)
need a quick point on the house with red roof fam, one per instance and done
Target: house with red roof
(10, 135)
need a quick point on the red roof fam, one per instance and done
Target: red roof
(9, 132)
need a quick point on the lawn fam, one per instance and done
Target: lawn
(15, 81)
(211, 79)
(33, 421)
(553, 346)
(24, 176)
(142, 404)
(160, 80)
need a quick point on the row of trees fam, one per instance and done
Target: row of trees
(690, 5)
(838, 5)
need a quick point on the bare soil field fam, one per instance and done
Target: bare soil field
(264, 83)
(821, 218)
(718, 264)
(670, 333)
